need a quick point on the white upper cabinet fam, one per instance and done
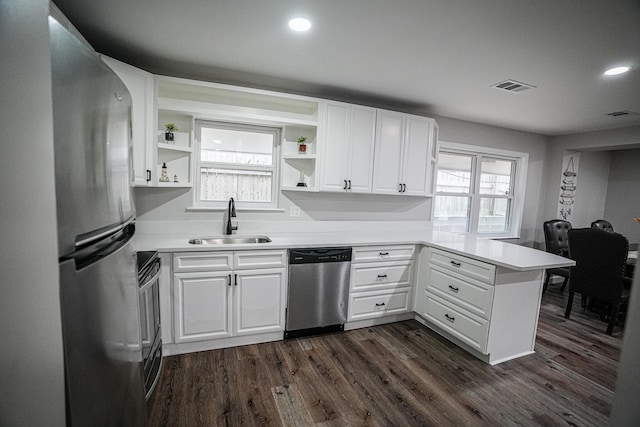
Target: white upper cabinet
(403, 154)
(347, 153)
(140, 86)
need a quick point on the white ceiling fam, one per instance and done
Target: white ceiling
(434, 57)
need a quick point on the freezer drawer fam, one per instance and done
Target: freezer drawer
(102, 341)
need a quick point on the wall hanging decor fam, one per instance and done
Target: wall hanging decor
(568, 185)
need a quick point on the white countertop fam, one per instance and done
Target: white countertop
(499, 253)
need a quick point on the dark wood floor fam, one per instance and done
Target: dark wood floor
(400, 374)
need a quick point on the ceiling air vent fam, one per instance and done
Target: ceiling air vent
(513, 86)
(622, 113)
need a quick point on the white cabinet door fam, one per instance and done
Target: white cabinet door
(415, 163)
(336, 148)
(140, 86)
(201, 306)
(388, 152)
(402, 157)
(259, 299)
(348, 148)
(361, 140)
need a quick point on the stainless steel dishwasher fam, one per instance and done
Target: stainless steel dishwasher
(318, 290)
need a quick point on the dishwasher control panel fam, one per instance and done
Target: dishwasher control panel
(319, 255)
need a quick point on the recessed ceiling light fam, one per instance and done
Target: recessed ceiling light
(299, 24)
(616, 70)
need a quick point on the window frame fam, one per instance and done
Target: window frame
(518, 185)
(275, 168)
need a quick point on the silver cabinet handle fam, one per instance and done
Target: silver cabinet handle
(454, 289)
(450, 318)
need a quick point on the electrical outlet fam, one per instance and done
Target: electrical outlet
(294, 211)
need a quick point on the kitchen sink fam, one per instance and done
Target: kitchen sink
(229, 240)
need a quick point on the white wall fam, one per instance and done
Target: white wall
(591, 192)
(623, 194)
(605, 140)
(31, 358)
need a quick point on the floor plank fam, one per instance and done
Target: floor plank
(401, 374)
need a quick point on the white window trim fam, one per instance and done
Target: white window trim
(198, 204)
(519, 187)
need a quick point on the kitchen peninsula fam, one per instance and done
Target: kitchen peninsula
(484, 295)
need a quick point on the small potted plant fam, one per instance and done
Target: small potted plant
(168, 133)
(302, 147)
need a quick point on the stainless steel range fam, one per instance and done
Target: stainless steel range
(149, 281)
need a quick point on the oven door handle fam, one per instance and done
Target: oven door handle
(150, 282)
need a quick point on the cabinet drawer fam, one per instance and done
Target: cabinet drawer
(259, 259)
(467, 266)
(365, 305)
(380, 275)
(465, 292)
(470, 329)
(202, 261)
(383, 253)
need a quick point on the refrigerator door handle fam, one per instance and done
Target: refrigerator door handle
(84, 240)
(94, 253)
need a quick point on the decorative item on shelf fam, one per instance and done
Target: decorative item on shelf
(302, 147)
(175, 178)
(301, 182)
(168, 133)
(163, 176)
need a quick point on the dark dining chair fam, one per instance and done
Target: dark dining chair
(599, 271)
(556, 241)
(602, 224)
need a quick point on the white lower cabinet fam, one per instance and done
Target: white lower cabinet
(489, 310)
(381, 282)
(201, 306)
(470, 329)
(216, 299)
(367, 305)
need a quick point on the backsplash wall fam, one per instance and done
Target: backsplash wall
(320, 211)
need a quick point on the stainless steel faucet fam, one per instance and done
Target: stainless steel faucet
(232, 223)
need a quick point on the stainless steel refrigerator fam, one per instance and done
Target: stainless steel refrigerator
(98, 279)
